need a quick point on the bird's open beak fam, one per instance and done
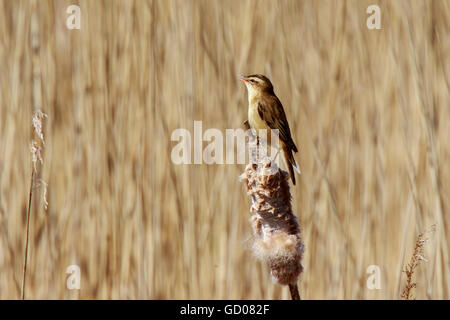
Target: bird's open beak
(243, 78)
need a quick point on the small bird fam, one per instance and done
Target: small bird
(265, 111)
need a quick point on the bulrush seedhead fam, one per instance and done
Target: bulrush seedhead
(276, 239)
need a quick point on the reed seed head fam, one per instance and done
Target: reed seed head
(276, 239)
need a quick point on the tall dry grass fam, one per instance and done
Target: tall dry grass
(368, 109)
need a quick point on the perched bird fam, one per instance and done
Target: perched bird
(265, 111)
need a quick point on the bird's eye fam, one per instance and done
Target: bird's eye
(252, 80)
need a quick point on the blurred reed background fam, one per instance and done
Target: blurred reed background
(369, 110)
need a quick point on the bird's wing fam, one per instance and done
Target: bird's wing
(272, 113)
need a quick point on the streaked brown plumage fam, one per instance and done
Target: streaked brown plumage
(265, 111)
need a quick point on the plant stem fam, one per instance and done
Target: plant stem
(30, 195)
(293, 288)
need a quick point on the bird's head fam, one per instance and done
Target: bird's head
(257, 83)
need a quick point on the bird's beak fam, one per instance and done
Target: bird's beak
(243, 78)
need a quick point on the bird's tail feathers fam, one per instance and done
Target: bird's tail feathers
(297, 167)
(290, 163)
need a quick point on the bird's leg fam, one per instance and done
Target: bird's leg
(276, 155)
(274, 164)
(275, 144)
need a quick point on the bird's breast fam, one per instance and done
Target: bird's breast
(258, 124)
(254, 119)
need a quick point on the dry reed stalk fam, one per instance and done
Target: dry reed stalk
(30, 196)
(276, 239)
(37, 143)
(36, 147)
(414, 263)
